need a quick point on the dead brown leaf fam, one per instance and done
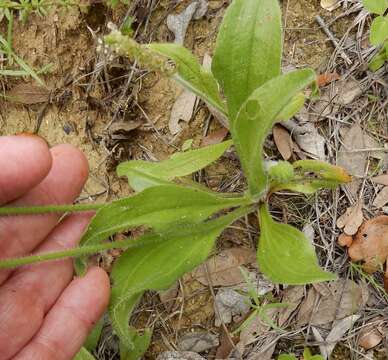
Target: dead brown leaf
(327, 302)
(345, 240)
(381, 198)
(215, 137)
(381, 179)
(283, 141)
(327, 78)
(182, 110)
(293, 295)
(347, 90)
(353, 157)
(308, 138)
(330, 5)
(352, 219)
(224, 268)
(369, 337)
(28, 94)
(371, 243)
(225, 347)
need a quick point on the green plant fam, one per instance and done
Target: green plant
(306, 356)
(259, 309)
(184, 218)
(378, 31)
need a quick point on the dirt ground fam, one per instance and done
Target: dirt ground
(115, 112)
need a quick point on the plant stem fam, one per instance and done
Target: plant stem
(78, 252)
(45, 209)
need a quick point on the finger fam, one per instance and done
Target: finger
(68, 323)
(21, 234)
(32, 290)
(25, 160)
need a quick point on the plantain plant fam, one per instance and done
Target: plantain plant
(378, 31)
(183, 218)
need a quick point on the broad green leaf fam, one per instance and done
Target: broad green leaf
(84, 354)
(93, 338)
(144, 174)
(376, 6)
(256, 118)
(311, 176)
(159, 208)
(292, 108)
(287, 357)
(285, 255)
(308, 356)
(379, 30)
(248, 49)
(378, 61)
(191, 74)
(157, 266)
(138, 343)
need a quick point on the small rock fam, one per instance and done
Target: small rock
(198, 342)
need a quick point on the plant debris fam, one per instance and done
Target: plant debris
(179, 355)
(381, 198)
(179, 23)
(182, 110)
(339, 329)
(223, 269)
(370, 336)
(370, 244)
(381, 179)
(198, 342)
(307, 137)
(352, 219)
(332, 301)
(215, 137)
(28, 94)
(330, 5)
(283, 141)
(229, 303)
(353, 156)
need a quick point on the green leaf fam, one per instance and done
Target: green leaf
(285, 255)
(308, 356)
(376, 6)
(378, 61)
(138, 344)
(158, 266)
(83, 354)
(379, 30)
(24, 66)
(144, 174)
(256, 118)
(292, 108)
(191, 74)
(311, 176)
(287, 357)
(93, 338)
(159, 208)
(248, 50)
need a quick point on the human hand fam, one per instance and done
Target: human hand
(44, 313)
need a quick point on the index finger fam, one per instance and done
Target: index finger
(25, 160)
